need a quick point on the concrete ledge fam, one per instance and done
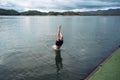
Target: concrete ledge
(106, 60)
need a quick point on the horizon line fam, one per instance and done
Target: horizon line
(74, 10)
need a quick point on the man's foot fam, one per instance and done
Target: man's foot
(59, 27)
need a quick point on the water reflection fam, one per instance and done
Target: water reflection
(58, 60)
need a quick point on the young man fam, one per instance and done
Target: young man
(59, 40)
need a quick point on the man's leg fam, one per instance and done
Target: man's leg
(59, 34)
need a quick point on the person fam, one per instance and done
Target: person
(59, 40)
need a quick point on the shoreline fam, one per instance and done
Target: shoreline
(101, 64)
(60, 15)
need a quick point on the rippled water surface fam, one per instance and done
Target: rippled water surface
(26, 46)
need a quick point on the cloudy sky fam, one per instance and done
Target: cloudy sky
(59, 5)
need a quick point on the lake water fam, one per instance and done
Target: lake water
(26, 46)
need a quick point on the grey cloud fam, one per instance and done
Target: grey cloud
(61, 4)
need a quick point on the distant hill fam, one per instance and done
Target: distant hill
(34, 12)
(8, 12)
(105, 12)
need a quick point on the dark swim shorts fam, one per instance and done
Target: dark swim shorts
(59, 43)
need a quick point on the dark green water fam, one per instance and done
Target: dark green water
(26, 46)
